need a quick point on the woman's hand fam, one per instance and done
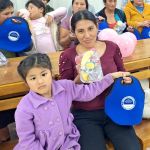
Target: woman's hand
(72, 36)
(100, 18)
(130, 29)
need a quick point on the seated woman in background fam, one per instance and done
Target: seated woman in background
(66, 38)
(6, 11)
(138, 16)
(89, 117)
(112, 17)
(6, 117)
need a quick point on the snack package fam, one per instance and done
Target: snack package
(90, 69)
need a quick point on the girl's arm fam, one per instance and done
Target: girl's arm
(84, 92)
(26, 131)
(58, 13)
(87, 92)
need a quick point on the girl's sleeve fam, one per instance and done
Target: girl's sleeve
(118, 59)
(59, 13)
(87, 92)
(26, 131)
(66, 67)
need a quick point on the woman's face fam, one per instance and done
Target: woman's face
(138, 2)
(6, 13)
(78, 5)
(86, 33)
(111, 4)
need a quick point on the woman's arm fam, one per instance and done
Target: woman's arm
(65, 39)
(66, 66)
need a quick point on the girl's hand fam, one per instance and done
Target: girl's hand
(125, 75)
(49, 20)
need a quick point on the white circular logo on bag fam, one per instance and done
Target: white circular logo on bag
(13, 36)
(128, 103)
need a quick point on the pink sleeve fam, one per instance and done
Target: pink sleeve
(58, 13)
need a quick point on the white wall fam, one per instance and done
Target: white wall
(98, 4)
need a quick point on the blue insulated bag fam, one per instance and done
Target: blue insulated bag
(125, 102)
(15, 35)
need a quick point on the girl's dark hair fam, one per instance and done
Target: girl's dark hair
(86, 2)
(34, 60)
(37, 3)
(5, 4)
(82, 15)
(104, 1)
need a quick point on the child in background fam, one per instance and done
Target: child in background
(42, 36)
(43, 117)
(48, 8)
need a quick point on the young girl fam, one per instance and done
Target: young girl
(44, 39)
(43, 117)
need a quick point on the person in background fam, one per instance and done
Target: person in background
(43, 117)
(6, 11)
(42, 37)
(138, 15)
(89, 117)
(66, 37)
(110, 17)
(6, 117)
(48, 8)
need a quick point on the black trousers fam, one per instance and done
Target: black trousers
(95, 127)
(6, 117)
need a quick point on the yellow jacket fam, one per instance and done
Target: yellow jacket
(133, 16)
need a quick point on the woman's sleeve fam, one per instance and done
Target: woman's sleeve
(128, 14)
(118, 59)
(66, 67)
(26, 131)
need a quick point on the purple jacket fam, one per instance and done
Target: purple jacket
(47, 124)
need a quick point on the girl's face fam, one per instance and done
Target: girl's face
(35, 12)
(78, 5)
(86, 33)
(138, 2)
(111, 4)
(39, 80)
(6, 13)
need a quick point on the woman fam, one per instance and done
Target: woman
(94, 125)
(112, 17)
(6, 117)
(6, 11)
(138, 15)
(66, 38)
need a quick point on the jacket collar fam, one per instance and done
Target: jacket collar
(38, 100)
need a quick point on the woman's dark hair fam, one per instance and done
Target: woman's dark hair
(82, 15)
(86, 2)
(104, 1)
(5, 4)
(37, 3)
(34, 60)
